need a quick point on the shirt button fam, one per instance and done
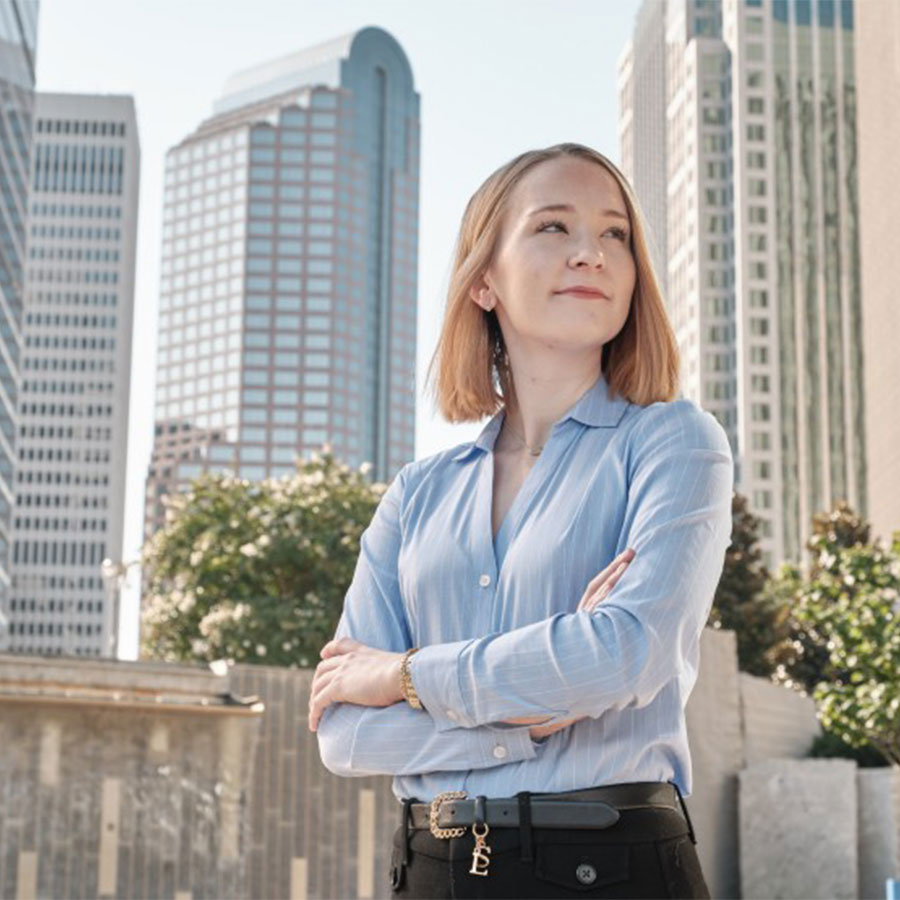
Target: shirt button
(500, 752)
(451, 715)
(485, 580)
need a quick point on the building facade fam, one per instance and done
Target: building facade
(763, 248)
(18, 47)
(797, 284)
(878, 88)
(76, 375)
(642, 124)
(289, 270)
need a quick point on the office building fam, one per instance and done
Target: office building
(878, 136)
(763, 248)
(18, 47)
(288, 287)
(642, 124)
(76, 367)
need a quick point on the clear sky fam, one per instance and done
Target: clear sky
(495, 77)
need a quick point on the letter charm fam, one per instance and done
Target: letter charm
(480, 853)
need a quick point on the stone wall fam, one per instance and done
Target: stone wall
(715, 734)
(311, 834)
(121, 780)
(778, 723)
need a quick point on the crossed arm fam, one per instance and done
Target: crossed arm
(569, 666)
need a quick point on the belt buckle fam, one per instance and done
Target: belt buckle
(436, 830)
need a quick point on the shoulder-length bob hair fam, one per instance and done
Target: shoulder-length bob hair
(473, 374)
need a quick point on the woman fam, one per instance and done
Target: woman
(535, 727)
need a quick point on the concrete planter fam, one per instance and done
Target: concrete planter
(798, 829)
(878, 806)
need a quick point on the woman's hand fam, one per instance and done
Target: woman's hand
(601, 584)
(351, 672)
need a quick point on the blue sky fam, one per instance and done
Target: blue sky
(495, 77)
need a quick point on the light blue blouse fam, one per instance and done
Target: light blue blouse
(497, 623)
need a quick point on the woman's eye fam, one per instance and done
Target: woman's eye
(556, 222)
(620, 233)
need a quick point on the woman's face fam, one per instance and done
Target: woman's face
(542, 254)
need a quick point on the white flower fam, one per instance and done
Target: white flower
(250, 549)
(241, 610)
(260, 649)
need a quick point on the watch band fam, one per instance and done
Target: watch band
(406, 685)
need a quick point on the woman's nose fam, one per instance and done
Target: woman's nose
(589, 256)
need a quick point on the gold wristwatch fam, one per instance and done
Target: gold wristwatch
(406, 685)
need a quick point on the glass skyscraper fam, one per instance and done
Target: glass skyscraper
(289, 267)
(763, 247)
(818, 411)
(18, 46)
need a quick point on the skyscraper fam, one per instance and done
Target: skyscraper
(76, 374)
(18, 47)
(288, 289)
(878, 73)
(797, 287)
(642, 123)
(763, 247)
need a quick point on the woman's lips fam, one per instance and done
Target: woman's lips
(584, 294)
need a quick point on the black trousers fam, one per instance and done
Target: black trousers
(648, 853)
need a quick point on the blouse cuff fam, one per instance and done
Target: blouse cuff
(434, 671)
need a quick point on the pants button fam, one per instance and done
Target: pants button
(586, 873)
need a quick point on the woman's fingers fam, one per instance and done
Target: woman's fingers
(604, 590)
(342, 645)
(319, 698)
(597, 581)
(613, 570)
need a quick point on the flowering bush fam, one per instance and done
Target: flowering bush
(841, 632)
(256, 572)
(854, 604)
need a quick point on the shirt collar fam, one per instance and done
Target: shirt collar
(593, 408)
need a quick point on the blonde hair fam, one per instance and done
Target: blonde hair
(640, 363)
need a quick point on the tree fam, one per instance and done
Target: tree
(256, 572)
(841, 640)
(740, 603)
(801, 655)
(853, 601)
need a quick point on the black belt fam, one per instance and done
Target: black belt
(450, 813)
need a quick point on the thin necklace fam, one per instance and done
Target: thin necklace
(531, 450)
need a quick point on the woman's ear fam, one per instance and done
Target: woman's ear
(482, 294)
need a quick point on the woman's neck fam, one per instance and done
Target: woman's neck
(536, 405)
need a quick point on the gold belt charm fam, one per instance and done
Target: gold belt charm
(480, 854)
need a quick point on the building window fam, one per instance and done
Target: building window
(760, 412)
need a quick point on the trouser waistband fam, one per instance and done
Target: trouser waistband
(451, 813)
